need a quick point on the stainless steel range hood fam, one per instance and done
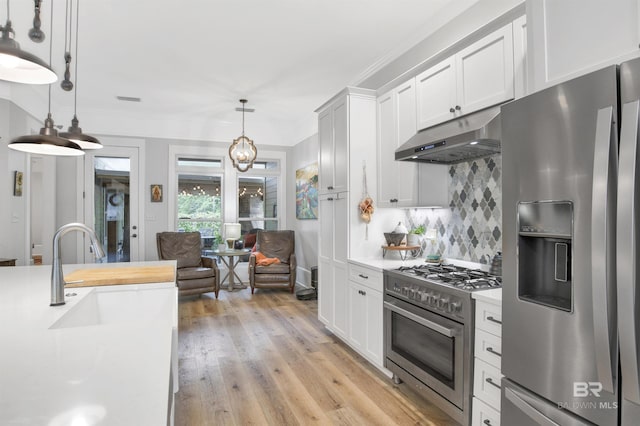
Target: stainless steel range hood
(471, 136)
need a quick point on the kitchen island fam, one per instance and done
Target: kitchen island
(107, 356)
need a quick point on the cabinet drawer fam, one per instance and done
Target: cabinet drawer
(484, 415)
(365, 276)
(488, 348)
(489, 317)
(486, 383)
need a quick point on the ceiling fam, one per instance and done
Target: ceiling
(191, 61)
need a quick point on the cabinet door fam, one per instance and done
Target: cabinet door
(325, 146)
(340, 253)
(405, 173)
(436, 94)
(387, 142)
(572, 38)
(325, 292)
(484, 72)
(357, 316)
(341, 144)
(340, 300)
(325, 261)
(373, 319)
(520, 64)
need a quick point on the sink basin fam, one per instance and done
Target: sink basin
(106, 306)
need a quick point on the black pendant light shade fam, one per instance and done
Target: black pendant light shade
(19, 66)
(46, 143)
(74, 134)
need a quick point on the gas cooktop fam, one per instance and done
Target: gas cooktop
(453, 276)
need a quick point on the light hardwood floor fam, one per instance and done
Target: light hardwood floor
(265, 359)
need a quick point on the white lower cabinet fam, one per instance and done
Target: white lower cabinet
(484, 415)
(487, 363)
(365, 313)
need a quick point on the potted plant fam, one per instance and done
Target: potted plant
(414, 238)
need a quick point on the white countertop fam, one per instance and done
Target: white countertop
(109, 374)
(380, 264)
(492, 296)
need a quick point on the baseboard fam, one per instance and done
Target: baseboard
(303, 277)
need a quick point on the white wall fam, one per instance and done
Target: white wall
(301, 155)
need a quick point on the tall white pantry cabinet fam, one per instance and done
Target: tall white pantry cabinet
(347, 140)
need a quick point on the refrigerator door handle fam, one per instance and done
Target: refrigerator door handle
(528, 409)
(602, 244)
(626, 252)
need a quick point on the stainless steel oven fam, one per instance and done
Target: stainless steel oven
(411, 330)
(428, 332)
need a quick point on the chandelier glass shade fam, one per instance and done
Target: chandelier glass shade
(242, 151)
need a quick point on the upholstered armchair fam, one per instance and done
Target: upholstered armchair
(195, 274)
(274, 244)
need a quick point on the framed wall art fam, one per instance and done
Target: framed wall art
(17, 184)
(307, 192)
(156, 193)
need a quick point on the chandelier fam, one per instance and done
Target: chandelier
(242, 151)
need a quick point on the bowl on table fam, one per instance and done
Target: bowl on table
(394, 238)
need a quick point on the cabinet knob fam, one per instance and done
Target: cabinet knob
(451, 110)
(458, 107)
(329, 188)
(487, 422)
(393, 200)
(330, 199)
(363, 276)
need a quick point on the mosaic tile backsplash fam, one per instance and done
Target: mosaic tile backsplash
(470, 229)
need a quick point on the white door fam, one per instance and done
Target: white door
(112, 202)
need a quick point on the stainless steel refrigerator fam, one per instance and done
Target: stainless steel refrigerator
(570, 222)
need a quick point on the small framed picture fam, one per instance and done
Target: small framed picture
(156, 193)
(17, 184)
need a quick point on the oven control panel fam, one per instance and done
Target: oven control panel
(429, 298)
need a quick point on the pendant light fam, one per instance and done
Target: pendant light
(19, 66)
(74, 133)
(242, 151)
(47, 142)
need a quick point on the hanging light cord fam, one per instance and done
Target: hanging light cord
(50, 50)
(68, 21)
(75, 92)
(8, 14)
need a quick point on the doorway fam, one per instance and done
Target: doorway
(112, 202)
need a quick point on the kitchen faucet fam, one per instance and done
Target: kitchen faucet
(57, 278)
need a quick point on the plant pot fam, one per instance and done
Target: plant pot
(414, 240)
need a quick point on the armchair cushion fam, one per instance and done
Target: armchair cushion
(194, 273)
(181, 246)
(280, 244)
(278, 268)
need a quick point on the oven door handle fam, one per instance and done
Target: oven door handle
(422, 321)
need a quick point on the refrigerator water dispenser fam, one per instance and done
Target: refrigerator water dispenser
(545, 234)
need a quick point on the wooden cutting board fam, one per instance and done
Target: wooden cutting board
(120, 275)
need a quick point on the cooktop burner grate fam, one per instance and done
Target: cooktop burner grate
(455, 276)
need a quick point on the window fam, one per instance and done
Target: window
(199, 199)
(258, 197)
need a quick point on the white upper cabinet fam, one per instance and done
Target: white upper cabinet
(436, 94)
(484, 72)
(477, 77)
(572, 37)
(520, 63)
(333, 141)
(397, 180)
